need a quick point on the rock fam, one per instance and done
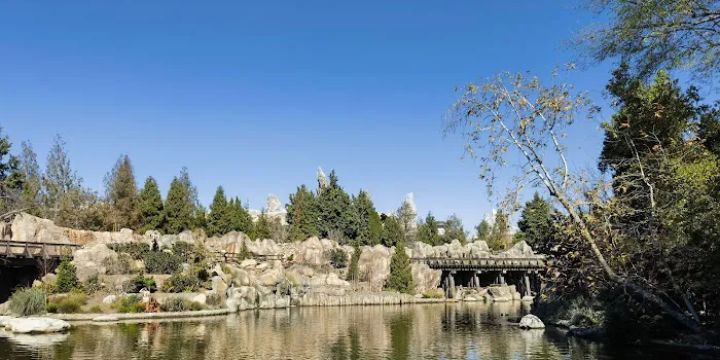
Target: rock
(90, 260)
(528, 298)
(218, 284)
(271, 277)
(109, 299)
(49, 278)
(425, 278)
(333, 280)
(310, 252)
(200, 298)
(248, 263)
(500, 293)
(520, 249)
(374, 263)
(531, 322)
(262, 266)
(40, 325)
(106, 318)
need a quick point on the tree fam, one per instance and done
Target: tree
(454, 230)
(428, 232)
(512, 117)
(150, 211)
(64, 194)
(353, 273)
(406, 215)
(11, 179)
(220, 217)
(240, 219)
(657, 34)
(31, 197)
(334, 211)
(179, 207)
(536, 220)
(121, 193)
(500, 238)
(66, 276)
(483, 230)
(366, 221)
(262, 227)
(400, 278)
(392, 231)
(302, 214)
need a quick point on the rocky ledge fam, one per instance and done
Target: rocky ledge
(33, 325)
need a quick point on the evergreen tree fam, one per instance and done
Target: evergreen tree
(499, 238)
(220, 217)
(302, 214)
(483, 230)
(31, 197)
(367, 227)
(11, 179)
(536, 220)
(392, 231)
(454, 230)
(262, 227)
(66, 276)
(179, 209)
(244, 253)
(428, 231)
(334, 211)
(400, 278)
(240, 219)
(64, 194)
(406, 216)
(121, 193)
(353, 273)
(150, 213)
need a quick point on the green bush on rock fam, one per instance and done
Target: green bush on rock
(68, 304)
(181, 282)
(161, 262)
(129, 304)
(28, 301)
(66, 277)
(176, 304)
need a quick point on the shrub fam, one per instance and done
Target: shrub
(244, 253)
(28, 301)
(129, 304)
(433, 294)
(123, 264)
(175, 304)
(214, 299)
(190, 253)
(93, 284)
(137, 250)
(337, 257)
(181, 282)
(139, 282)
(66, 277)
(72, 303)
(160, 262)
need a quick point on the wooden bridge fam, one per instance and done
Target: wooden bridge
(10, 249)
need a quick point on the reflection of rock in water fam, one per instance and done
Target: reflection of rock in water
(34, 341)
(465, 331)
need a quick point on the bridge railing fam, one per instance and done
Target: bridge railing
(470, 263)
(29, 249)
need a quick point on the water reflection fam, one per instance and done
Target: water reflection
(452, 331)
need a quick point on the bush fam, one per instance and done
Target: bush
(129, 304)
(337, 257)
(72, 303)
(139, 282)
(175, 304)
(214, 299)
(136, 250)
(66, 277)
(123, 264)
(190, 253)
(28, 301)
(93, 284)
(181, 282)
(433, 294)
(160, 262)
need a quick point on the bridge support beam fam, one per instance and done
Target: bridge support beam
(526, 280)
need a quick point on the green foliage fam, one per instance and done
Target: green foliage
(454, 230)
(181, 282)
(428, 231)
(499, 238)
(129, 304)
(406, 218)
(433, 294)
(353, 273)
(93, 284)
(64, 194)
(181, 205)
(366, 225)
(302, 214)
(11, 179)
(219, 221)
(28, 301)
(66, 277)
(123, 264)
(240, 219)
(162, 262)
(400, 278)
(536, 221)
(262, 229)
(392, 231)
(121, 193)
(32, 191)
(334, 211)
(150, 211)
(138, 283)
(189, 253)
(244, 253)
(176, 304)
(338, 258)
(137, 250)
(67, 304)
(483, 230)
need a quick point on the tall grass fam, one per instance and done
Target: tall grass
(28, 301)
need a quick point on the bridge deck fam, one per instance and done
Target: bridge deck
(488, 264)
(25, 249)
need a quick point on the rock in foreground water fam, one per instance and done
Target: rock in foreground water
(531, 322)
(39, 325)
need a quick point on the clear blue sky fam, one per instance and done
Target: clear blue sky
(256, 95)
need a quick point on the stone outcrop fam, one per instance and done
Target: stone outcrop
(34, 325)
(91, 260)
(374, 265)
(531, 322)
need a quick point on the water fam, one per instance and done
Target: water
(437, 331)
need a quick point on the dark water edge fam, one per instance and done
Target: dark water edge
(432, 331)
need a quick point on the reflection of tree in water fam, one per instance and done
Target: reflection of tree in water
(339, 351)
(400, 334)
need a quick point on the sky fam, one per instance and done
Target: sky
(255, 96)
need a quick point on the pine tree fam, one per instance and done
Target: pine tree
(11, 179)
(536, 220)
(121, 193)
(400, 278)
(220, 218)
(150, 214)
(31, 197)
(499, 238)
(302, 214)
(262, 227)
(64, 194)
(240, 219)
(353, 273)
(334, 211)
(66, 276)
(454, 230)
(366, 221)
(483, 230)
(428, 231)
(179, 210)
(392, 231)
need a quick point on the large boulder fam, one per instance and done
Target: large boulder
(520, 249)
(310, 252)
(38, 325)
(91, 260)
(531, 322)
(374, 265)
(271, 276)
(500, 293)
(425, 278)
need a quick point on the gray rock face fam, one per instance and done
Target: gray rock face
(90, 260)
(310, 252)
(531, 322)
(31, 325)
(425, 278)
(374, 265)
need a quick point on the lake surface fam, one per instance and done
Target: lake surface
(433, 331)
